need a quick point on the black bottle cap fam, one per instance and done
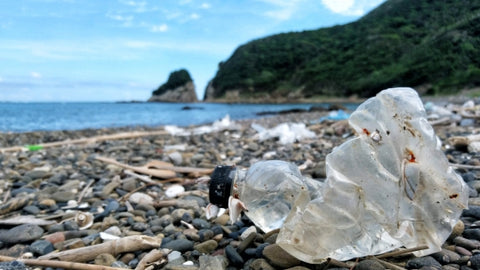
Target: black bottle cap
(220, 186)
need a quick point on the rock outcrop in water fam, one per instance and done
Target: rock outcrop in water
(178, 88)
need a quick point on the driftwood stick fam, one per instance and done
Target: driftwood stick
(118, 136)
(59, 264)
(114, 247)
(465, 166)
(401, 252)
(160, 173)
(84, 191)
(153, 256)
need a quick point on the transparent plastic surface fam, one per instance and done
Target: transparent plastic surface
(390, 186)
(269, 189)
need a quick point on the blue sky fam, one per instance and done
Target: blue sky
(121, 50)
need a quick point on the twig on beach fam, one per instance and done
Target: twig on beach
(84, 191)
(401, 252)
(154, 255)
(114, 247)
(389, 265)
(59, 264)
(465, 166)
(118, 136)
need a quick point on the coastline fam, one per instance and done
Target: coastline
(56, 176)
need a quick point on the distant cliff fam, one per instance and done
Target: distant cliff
(433, 46)
(178, 88)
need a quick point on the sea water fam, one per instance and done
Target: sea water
(48, 116)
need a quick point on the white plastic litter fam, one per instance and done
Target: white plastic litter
(219, 125)
(285, 132)
(390, 186)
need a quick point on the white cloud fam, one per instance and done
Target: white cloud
(194, 16)
(35, 75)
(205, 5)
(1, 79)
(160, 28)
(126, 20)
(350, 7)
(283, 10)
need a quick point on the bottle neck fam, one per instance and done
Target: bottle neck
(238, 181)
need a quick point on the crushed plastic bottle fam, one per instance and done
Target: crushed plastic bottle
(388, 187)
(268, 189)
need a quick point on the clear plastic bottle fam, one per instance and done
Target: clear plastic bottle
(268, 189)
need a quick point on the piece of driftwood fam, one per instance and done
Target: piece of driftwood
(114, 247)
(59, 264)
(151, 168)
(153, 256)
(158, 168)
(118, 136)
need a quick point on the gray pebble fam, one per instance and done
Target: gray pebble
(41, 247)
(21, 233)
(369, 265)
(233, 256)
(261, 264)
(279, 257)
(420, 262)
(181, 245)
(206, 247)
(201, 223)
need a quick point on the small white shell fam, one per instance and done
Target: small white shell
(174, 190)
(84, 220)
(211, 211)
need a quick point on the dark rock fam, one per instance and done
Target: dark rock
(472, 234)
(201, 223)
(233, 256)
(446, 256)
(206, 247)
(279, 257)
(205, 234)
(475, 261)
(181, 245)
(41, 247)
(369, 265)
(420, 262)
(70, 225)
(21, 233)
(472, 211)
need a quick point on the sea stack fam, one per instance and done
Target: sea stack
(178, 88)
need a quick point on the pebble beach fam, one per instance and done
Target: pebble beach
(77, 202)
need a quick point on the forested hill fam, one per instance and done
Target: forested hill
(432, 45)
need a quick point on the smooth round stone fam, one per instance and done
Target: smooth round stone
(233, 256)
(420, 262)
(31, 209)
(205, 234)
(446, 256)
(261, 264)
(36, 174)
(139, 227)
(177, 214)
(105, 259)
(206, 247)
(201, 223)
(279, 257)
(369, 265)
(181, 245)
(21, 233)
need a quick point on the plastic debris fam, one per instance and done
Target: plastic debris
(219, 125)
(390, 186)
(335, 116)
(286, 132)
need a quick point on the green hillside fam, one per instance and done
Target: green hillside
(432, 45)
